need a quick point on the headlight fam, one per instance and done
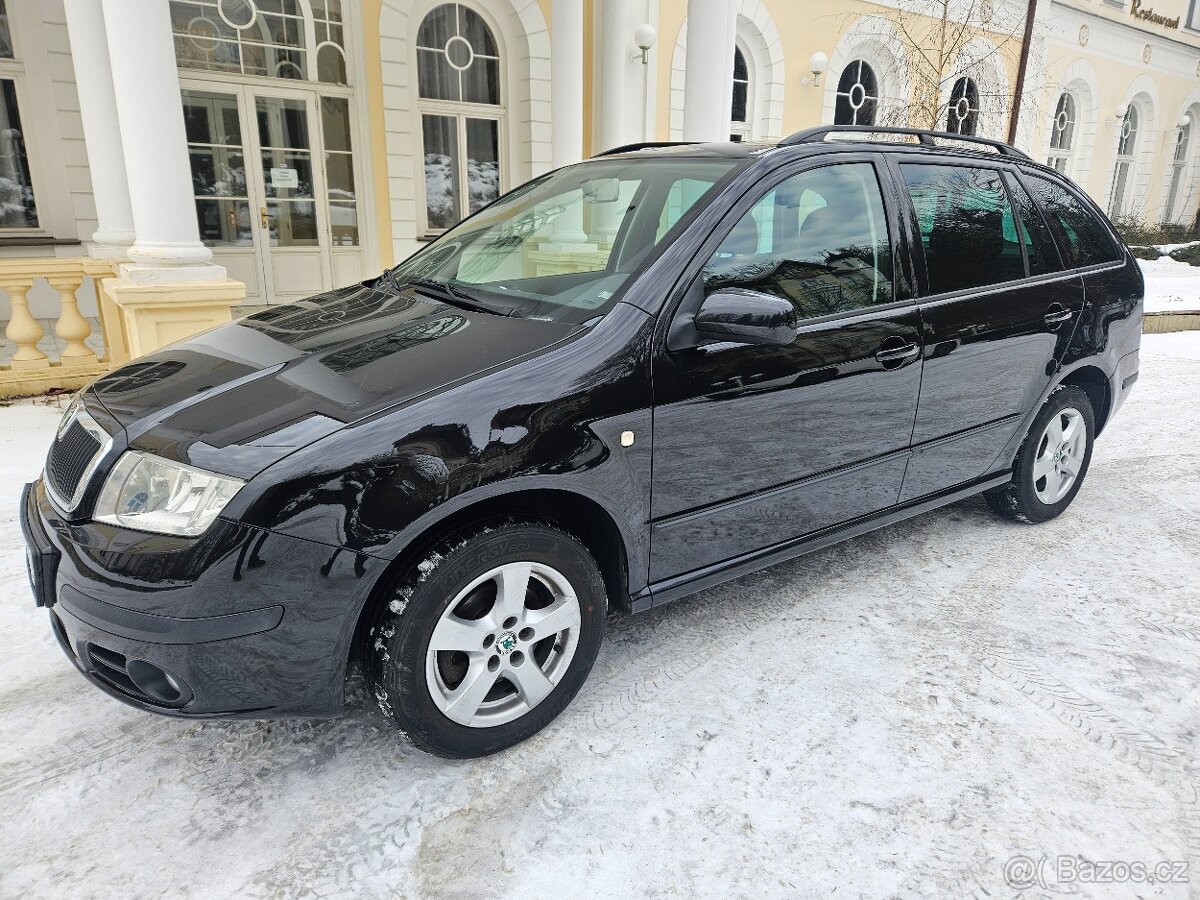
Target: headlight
(150, 493)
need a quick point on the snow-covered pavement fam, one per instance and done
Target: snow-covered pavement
(1171, 285)
(898, 715)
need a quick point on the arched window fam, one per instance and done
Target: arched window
(857, 95)
(261, 37)
(1176, 195)
(1126, 148)
(1062, 133)
(458, 82)
(963, 115)
(739, 115)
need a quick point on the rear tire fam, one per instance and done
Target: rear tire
(488, 638)
(1053, 460)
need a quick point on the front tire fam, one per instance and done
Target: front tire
(1052, 462)
(488, 638)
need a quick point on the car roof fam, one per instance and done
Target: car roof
(814, 142)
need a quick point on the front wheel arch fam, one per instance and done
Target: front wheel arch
(581, 516)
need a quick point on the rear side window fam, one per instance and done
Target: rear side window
(1043, 255)
(967, 226)
(818, 239)
(1087, 240)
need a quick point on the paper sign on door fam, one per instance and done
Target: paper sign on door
(284, 178)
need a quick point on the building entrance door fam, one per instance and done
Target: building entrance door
(273, 179)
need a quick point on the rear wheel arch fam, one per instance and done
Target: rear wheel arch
(581, 516)
(1094, 383)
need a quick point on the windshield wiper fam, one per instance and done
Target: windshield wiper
(448, 292)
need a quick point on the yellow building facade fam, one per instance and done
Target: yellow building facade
(184, 157)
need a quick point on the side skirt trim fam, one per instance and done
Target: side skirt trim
(680, 586)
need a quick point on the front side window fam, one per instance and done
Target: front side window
(963, 115)
(507, 256)
(857, 95)
(967, 227)
(1062, 133)
(458, 82)
(1086, 240)
(819, 240)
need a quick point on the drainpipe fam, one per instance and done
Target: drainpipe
(1019, 89)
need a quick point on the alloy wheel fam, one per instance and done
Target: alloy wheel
(503, 644)
(1060, 455)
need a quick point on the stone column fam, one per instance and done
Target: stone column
(102, 134)
(566, 106)
(170, 289)
(708, 68)
(145, 83)
(615, 38)
(566, 81)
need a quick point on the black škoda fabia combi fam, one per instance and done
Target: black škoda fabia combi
(620, 383)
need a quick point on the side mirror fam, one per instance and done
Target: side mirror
(746, 317)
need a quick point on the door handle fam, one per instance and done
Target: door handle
(1056, 315)
(887, 355)
(262, 217)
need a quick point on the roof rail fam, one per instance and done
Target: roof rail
(641, 145)
(924, 135)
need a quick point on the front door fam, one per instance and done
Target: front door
(758, 445)
(273, 176)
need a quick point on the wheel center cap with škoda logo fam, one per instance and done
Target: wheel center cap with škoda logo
(507, 642)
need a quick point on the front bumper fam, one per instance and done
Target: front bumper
(240, 623)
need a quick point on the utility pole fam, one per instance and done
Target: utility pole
(1019, 89)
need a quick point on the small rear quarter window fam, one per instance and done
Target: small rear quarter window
(1087, 240)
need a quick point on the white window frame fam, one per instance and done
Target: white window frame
(1177, 194)
(1192, 20)
(837, 91)
(745, 130)
(1060, 158)
(24, 23)
(1126, 162)
(461, 111)
(311, 50)
(361, 140)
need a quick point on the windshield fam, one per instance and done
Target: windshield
(562, 247)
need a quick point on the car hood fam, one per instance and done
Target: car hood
(242, 396)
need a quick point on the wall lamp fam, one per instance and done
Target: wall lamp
(644, 36)
(817, 64)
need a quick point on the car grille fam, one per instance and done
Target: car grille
(71, 458)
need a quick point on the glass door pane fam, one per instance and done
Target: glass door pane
(284, 142)
(483, 162)
(214, 136)
(442, 171)
(339, 171)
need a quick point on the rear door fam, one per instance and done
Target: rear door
(997, 309)
(758, 445)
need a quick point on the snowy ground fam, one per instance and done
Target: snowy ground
(895, 716)
(1171, 285)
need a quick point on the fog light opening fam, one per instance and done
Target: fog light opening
(158, 684)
